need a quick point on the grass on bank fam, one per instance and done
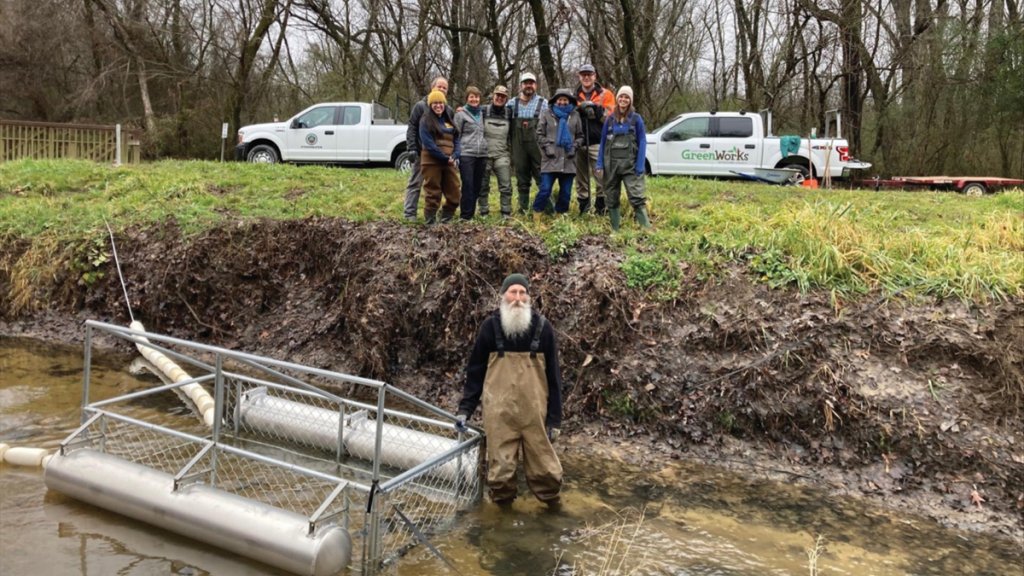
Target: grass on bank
(846, 241)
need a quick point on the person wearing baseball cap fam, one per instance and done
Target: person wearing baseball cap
(595, 102)
(497, 121)
(513, 371)
(526, 110)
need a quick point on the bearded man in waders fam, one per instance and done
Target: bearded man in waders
(514, 367)
(525, 149)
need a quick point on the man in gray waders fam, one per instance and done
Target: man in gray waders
(514, 366)
(525, 150)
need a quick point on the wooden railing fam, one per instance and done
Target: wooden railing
(42, 140)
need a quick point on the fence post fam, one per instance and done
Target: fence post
(117, 145)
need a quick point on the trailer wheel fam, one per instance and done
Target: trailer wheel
(974, 189)
(263, 154)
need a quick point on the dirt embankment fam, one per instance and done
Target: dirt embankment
(914, 403)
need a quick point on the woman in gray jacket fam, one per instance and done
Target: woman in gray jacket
(560, 135)
(469, 124)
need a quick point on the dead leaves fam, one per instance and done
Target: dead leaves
(976, 497)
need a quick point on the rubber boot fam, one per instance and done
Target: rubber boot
(447, 216)
(524, 202)
(431, 217)
(584, 206)
(599, 205)
(615, 214)
(641, 217)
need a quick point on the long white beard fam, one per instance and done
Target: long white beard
(515, 318)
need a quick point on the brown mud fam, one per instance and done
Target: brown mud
(913, 404)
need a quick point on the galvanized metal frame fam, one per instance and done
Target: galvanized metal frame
(382, 488)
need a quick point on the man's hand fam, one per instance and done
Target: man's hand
(599, 173)
(460, 424)
(554, 433)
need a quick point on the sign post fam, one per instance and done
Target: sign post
(223, 139)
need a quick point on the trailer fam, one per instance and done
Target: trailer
(968, 185)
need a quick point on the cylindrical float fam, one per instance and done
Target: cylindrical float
(25, 456)
(252, 529)
(196, 393)
(401, 448)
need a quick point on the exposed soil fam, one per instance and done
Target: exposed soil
(914, 404)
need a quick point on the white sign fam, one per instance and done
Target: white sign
(224, 131)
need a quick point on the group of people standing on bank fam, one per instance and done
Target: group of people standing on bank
(582, 136)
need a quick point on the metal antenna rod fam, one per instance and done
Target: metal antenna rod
(120, 276)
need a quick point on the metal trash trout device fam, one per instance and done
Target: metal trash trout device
(281, 470)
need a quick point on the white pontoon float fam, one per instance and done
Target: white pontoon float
(289, 473)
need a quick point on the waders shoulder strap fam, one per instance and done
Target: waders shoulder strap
(499, 336)
(535, 343)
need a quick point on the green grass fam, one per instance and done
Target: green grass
(848, 242)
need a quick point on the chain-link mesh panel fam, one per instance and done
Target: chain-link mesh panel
(281, 414)
(271, 484)
(143, 445)
(428, 505)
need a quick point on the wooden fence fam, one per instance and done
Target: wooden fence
(42, 140)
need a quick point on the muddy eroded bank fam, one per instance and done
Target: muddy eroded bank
(917, 404)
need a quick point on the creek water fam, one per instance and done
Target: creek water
(683, 519)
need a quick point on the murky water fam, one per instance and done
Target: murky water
(695, 520)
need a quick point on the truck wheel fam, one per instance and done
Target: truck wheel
(802, 168)
(262, 154)
(404, 162)
(974, 189)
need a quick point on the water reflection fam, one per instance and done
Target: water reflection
(696, 520)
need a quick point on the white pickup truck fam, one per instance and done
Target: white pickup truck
(331, 132)
(735, 144)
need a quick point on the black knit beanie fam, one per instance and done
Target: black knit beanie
(515, 279)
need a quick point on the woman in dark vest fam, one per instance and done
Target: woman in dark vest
(439, 159)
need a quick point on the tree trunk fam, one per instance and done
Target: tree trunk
(547, 60)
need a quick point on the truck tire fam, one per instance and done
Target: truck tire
(974, 189)
(805, 173)
(404, 162)
(263, 154)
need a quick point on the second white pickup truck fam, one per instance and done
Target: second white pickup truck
(331, 132)
(735, 143)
